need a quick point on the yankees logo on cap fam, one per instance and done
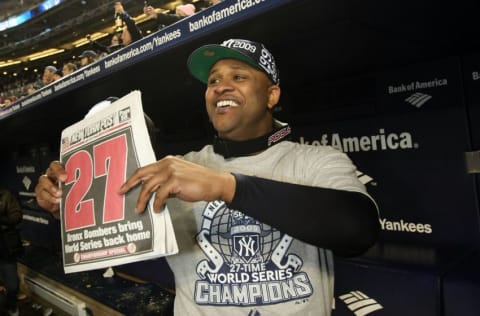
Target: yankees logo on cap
(255, 54)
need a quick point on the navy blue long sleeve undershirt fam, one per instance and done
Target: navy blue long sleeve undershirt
(345, 222)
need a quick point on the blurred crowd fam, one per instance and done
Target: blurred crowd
(125, 32)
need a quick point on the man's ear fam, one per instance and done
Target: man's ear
(273, 96)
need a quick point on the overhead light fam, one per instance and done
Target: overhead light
(45, 53)
(95, 36)
(9, 63)
(143, 17)
(81, 42)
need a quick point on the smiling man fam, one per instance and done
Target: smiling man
(256, 216)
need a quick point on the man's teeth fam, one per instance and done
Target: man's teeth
(225, 103)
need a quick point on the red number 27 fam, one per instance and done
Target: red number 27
(109, 162)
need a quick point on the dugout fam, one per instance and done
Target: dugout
(395, 87)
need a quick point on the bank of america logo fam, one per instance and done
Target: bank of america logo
(364, 178)
(359, 303)
(418, 99)
(27, 182)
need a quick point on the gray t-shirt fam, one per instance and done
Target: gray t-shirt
(231, 264)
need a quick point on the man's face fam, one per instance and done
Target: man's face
(84, 61)
(47, 76)
(115, 40)
(66, 70)
(239, 99)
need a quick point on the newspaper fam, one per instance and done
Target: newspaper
(99, 227)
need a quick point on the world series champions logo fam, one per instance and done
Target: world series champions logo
(247, 262)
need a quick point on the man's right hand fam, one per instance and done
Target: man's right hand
(47, 190)
(118, 7)
(150, 12)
